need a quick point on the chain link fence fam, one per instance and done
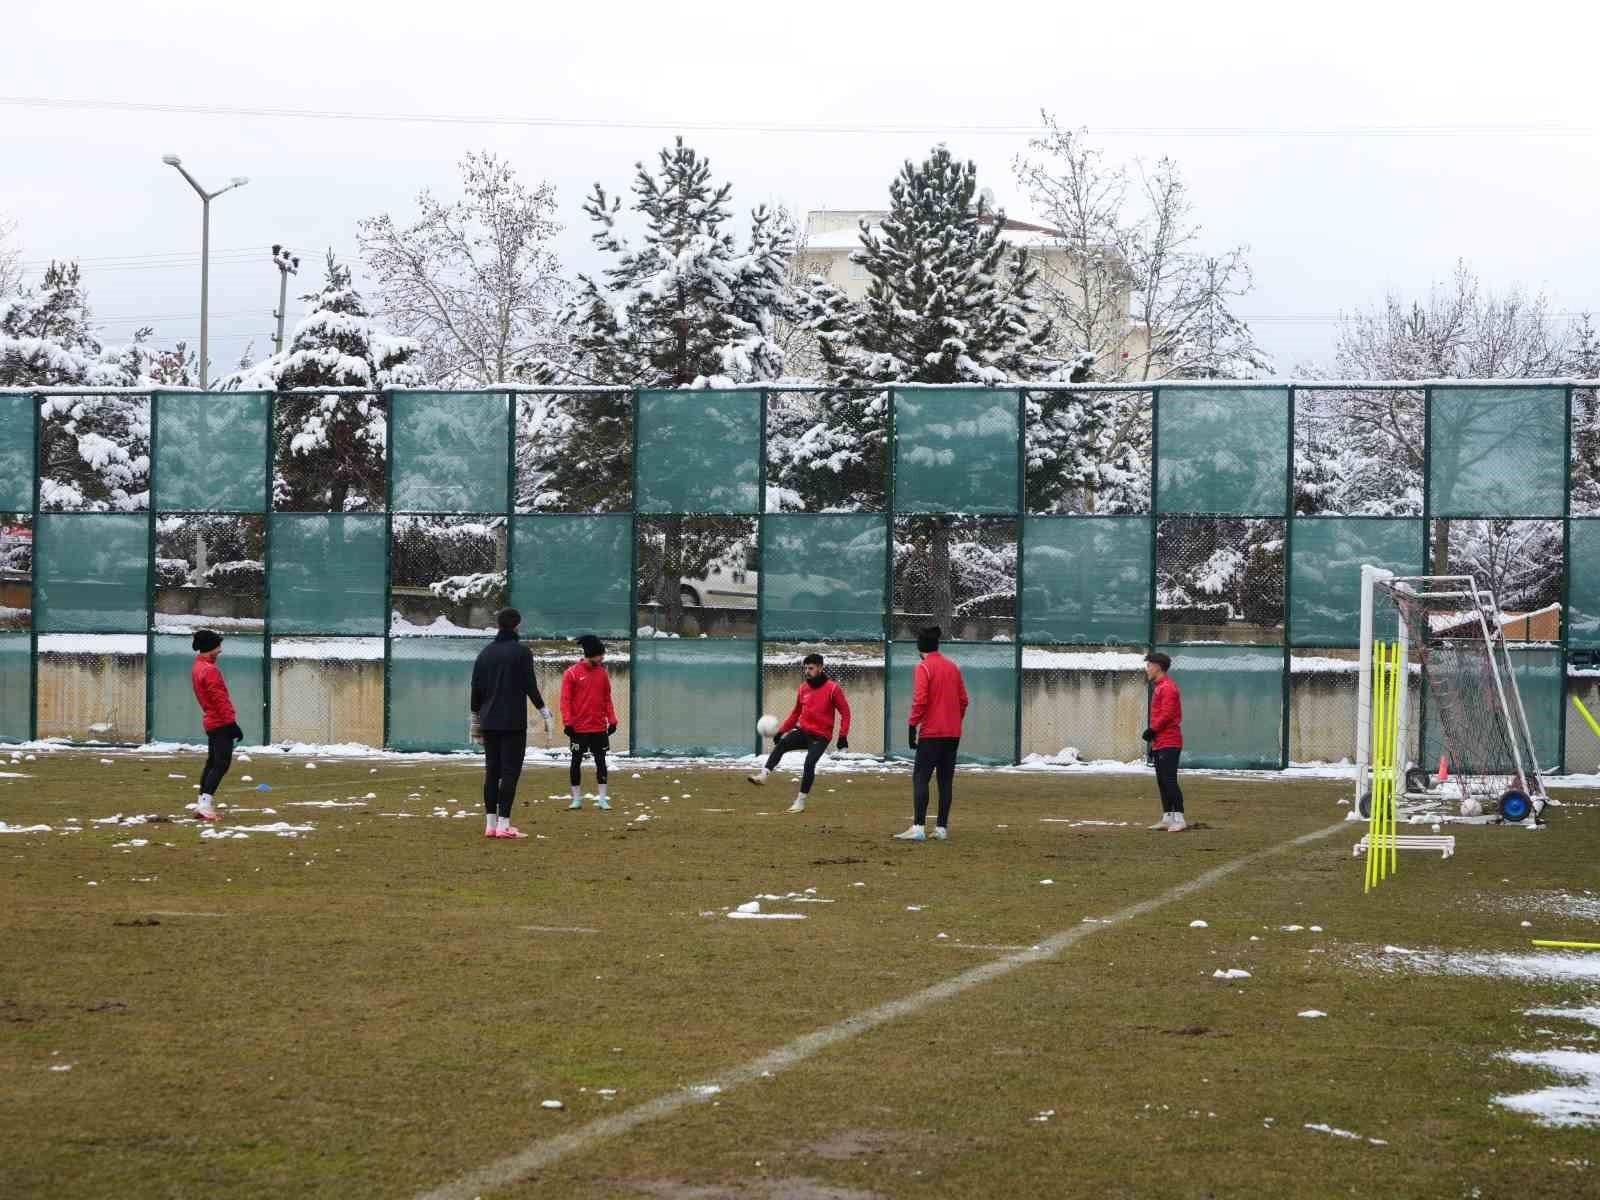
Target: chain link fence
(345, 527)
(1220, 579)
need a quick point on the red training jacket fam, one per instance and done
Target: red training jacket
(1166, 716)
(814, 708)
(586, 698)
(939, 699)
(211, 690)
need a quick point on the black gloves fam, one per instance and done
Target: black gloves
(611, 728)
(1149, 735)
(238, 734)
(911, 736)
(572, 734)
(844, 743)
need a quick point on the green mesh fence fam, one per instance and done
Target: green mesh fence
(1583, 613)
(430, 689)
(989, 732)
(569, 574)
(174, 712)
(16, 705)
(450, 451)
(822, 577)
(1325, 586)
(16, 453)
(1497, 452)
(955, 452)
(694, 696)
(1540, 683)
(1222, 451)
(91, 573)
(210, 451)
(1232, 705)
(327, 573)
(699, 451)
(1086, 580)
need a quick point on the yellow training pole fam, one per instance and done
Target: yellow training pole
(1568, 945)
(1392, 736)
(1594, 725)
(1377, 772)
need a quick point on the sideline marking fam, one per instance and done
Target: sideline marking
(542, 1153)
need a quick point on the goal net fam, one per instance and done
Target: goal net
(1450, 627)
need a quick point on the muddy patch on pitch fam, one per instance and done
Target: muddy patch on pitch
(848, 1144)
(794, 1188)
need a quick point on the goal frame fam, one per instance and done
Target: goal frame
(1508, 699)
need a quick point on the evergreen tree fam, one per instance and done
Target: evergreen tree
(47, 340)
(94, 452)
(683, 308)
(330, 449)
(949, 300)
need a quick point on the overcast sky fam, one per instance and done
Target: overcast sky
(1336, 212)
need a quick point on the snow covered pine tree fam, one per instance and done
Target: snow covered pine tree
(683, 308)
(330, 449)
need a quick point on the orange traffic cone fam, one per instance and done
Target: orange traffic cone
(1444, 768)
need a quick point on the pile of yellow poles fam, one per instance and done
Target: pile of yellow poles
(1388, 677)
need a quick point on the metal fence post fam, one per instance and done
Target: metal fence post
(1155, 525)
(388, 563)
(888, 568)
(150, 575)
(632, 400)
(761, 591)
(1288, 588)
(1022, 526)
(33, 578)
(1427, 569)
(1566, 580)
(266, 573)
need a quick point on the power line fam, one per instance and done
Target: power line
(553, 122)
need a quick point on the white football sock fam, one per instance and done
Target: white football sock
(205, 802)
(602, 788)
(577, 792)
(490, 823)
(503, 823)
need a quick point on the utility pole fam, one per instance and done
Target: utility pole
(172, 160)
(287, 264)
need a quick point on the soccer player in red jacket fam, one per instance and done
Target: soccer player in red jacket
(587, 716)
(216, 717)
(938, 706)
(809, 727)
(1165, 736)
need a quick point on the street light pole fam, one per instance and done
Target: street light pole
(287, 264)
(172, 160)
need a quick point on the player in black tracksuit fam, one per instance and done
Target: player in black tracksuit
(502, 685)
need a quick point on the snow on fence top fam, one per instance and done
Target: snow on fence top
(800, 385)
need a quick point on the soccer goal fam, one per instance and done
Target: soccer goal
(1450, 628)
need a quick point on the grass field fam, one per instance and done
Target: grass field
(380, 1005)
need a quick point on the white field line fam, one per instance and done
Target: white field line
(541, 1154)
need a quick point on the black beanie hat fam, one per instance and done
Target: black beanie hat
(206, 639)
(591, 646)
(928, 639)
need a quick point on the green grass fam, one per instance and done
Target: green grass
(372, 1016)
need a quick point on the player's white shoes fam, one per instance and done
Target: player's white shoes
(1178, 823)
(1165, 822)
(799, 804)
(941, 834)
(915, 834)
(759, 777)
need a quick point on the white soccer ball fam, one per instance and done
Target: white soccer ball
(767, 725)
(1471, 807)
